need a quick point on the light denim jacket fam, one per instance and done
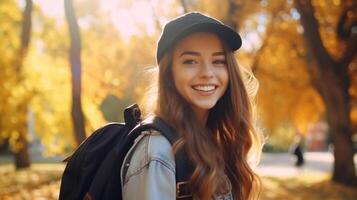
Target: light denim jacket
(148, 172)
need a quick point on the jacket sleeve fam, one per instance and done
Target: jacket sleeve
(154, 181)
(151, 172)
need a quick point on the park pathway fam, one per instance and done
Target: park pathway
(282, 164)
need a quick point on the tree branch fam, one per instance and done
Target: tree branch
(232, 9)
(345, 26)
(25, 33)
(156, 18)
(184, 6)
(26, 29)
(312, 35)
(350, 52)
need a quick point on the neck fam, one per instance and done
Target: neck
(202, 115)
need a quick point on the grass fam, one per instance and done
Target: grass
(42, 181)
(306, 187)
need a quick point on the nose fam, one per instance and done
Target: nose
(207, 70)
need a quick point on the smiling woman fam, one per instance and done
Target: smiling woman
(201, 95)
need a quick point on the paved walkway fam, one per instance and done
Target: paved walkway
(282, 164)
(272, 164)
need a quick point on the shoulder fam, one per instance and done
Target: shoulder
(149, 147)
(150, 169)
(158, 146)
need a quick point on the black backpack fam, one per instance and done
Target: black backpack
(93, 170)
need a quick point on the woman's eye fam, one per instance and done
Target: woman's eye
(220, 62)
(189, 62)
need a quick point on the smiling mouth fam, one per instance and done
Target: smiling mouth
(205, 88)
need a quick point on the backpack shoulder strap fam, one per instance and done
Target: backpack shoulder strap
(160, 125)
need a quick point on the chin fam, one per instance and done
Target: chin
(205, 106)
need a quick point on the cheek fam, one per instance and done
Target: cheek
(179, 79)
(175, 76)
(182, 76)
(224, 77)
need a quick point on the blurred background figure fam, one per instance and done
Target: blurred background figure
(297, 149)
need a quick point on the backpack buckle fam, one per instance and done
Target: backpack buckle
(182, 190)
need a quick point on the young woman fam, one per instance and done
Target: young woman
(202, 96)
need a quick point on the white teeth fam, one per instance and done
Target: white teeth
(204, 88)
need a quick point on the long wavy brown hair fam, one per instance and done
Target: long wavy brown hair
(222, 147)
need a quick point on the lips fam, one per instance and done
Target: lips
(205, 87)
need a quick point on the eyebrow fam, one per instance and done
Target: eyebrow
(194, 53)
(221, 53)
(190, 53)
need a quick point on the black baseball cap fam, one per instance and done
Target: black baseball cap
(192, 22)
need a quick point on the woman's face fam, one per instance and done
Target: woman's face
(200, 71)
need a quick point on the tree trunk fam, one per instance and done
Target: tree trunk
(21, 154)
(22, 157)
(336, 99)
(332, 81)
(75, 61)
